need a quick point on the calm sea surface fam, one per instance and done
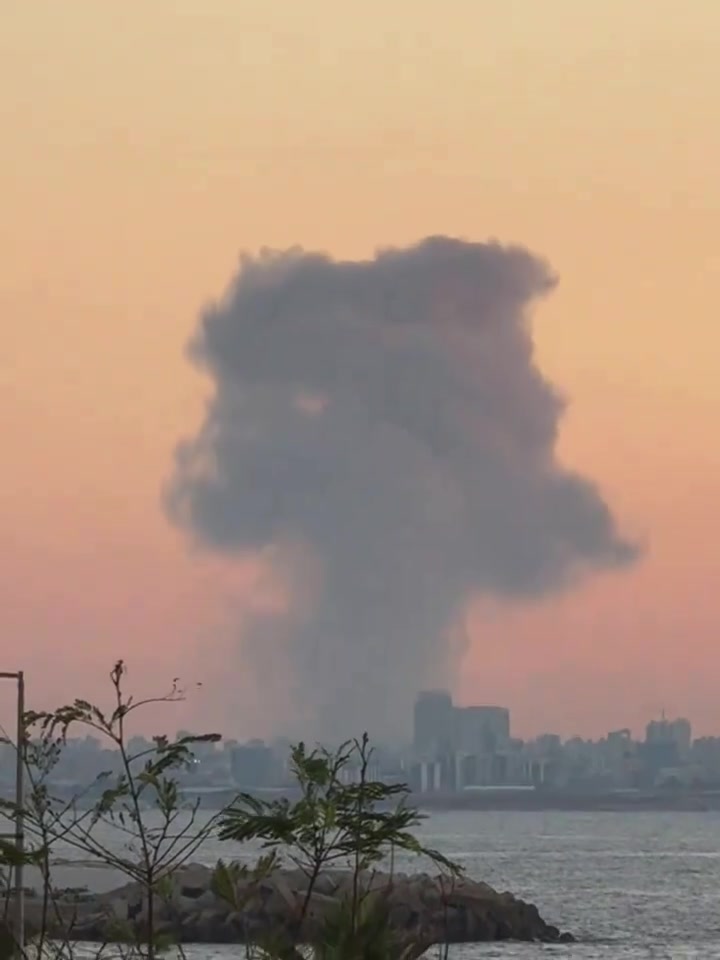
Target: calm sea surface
(629, 886)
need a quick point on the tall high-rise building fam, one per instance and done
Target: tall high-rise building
(482, 730)
(434, 728)
(674, 736)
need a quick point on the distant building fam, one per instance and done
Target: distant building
(706, 756)
(253, 765)
(482, 730)
(548, 745)
(138, 746)
(619, 758)
(677, 732)
(434, 724)
(667, 746)
(425, 776)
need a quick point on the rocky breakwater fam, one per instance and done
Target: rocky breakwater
(419, 907)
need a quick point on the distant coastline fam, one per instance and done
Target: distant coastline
(618, 801)
(503, 798)
(499, 798)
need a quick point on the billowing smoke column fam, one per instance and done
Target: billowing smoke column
(387, 420)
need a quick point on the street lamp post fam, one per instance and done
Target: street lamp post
(19, 834)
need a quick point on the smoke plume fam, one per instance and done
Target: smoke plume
(382, 425)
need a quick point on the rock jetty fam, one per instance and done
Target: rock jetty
(420, 907)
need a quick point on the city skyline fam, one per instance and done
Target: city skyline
(455, 750)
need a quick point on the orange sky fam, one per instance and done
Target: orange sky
(146, 144)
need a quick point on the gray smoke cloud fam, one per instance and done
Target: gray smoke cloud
(386, 418)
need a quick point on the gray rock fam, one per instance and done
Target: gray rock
(419, 907)
(118, 908)
(326, 884)
(207, 901)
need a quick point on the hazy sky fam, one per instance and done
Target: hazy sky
(146, 145)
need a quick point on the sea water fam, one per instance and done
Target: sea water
(629, 886)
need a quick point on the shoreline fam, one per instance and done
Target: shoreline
(502, 799)
(495, 799)
(565, 802)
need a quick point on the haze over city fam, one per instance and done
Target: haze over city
(512, 423)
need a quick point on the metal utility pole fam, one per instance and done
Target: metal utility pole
(19, 834)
